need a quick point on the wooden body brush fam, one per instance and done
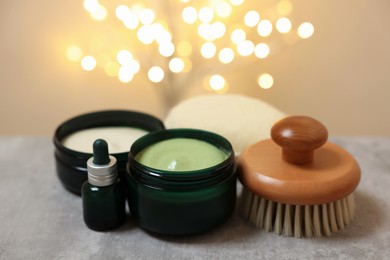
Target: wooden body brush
(290, 191)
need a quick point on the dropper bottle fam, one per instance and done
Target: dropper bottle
(103, 196)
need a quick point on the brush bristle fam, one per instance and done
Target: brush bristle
(297, 220)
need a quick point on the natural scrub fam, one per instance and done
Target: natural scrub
(119, 138)
(181, 154)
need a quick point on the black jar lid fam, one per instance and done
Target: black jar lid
(71, 164)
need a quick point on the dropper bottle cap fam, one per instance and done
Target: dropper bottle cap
(102, 167)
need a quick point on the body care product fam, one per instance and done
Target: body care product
(181, 181)
(119, 138)
(252, 117)
(103, 196)
(73, 141)
(298, 184)
(181, 154)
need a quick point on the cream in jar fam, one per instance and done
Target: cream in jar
(119, 138)
(181, 154)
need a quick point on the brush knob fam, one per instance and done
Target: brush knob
(299, 136)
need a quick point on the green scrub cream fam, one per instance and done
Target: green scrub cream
(181, 154)
(181, 181)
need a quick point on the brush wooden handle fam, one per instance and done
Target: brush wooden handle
(295, 178)
(299, 136)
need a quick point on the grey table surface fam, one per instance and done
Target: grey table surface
(39, 219)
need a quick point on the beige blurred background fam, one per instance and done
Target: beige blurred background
(341, 75)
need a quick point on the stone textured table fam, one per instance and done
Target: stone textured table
(39, 219)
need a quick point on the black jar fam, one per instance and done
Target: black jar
(71, 165)
(183, 203)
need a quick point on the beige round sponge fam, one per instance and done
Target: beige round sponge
(242, 120)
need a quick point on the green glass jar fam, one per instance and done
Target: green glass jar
(71, 165)
(181, 202)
